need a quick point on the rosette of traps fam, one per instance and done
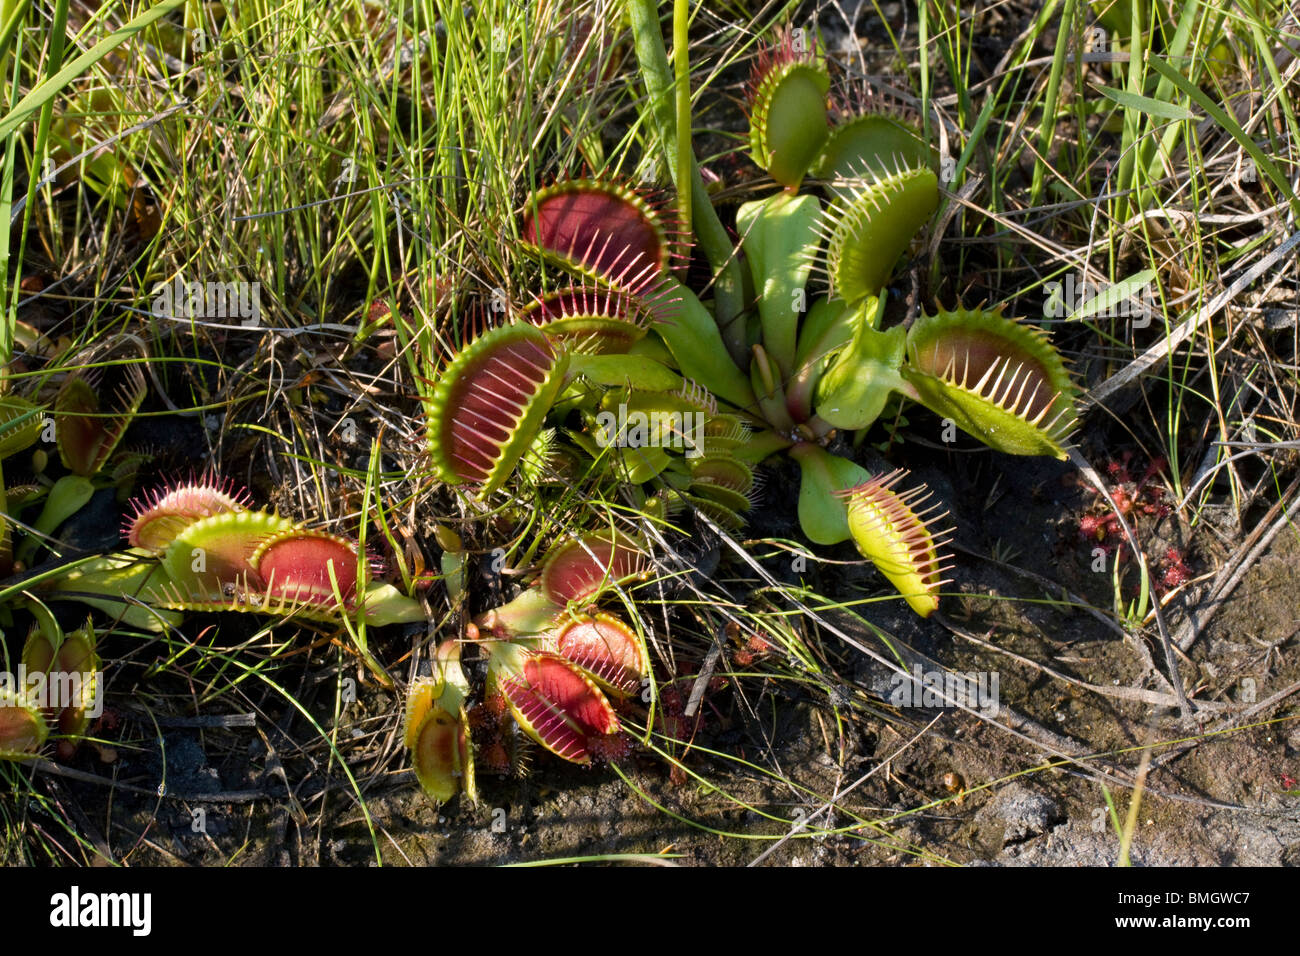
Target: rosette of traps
(579, 386)
(625, 377)
(212, 552)
(558, 665)
(200, 547)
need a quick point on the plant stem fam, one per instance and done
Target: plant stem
(682, 69)
(10, 13)
(712, 235)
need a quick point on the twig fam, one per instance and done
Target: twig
(851, 787)
(1269, 702)
(225, 721)
(702, 682)
(96, 148)
(1016, 724)
(1228, 724)
(1161, 349)
(1232, 573)
(1122, 693)
(1048, 585)
(231, 796)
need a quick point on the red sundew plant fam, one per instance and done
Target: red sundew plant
(1175, 572)
(1137, 493)
(1133, 496)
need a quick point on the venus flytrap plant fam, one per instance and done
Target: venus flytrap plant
(817, 367)
(23, 730)
(552, 699)
(590, 320)
(161, 516)
(892, 530)
(855, 385)
(604, 231)
(588, 353)
(788, 115)
(871, 224)
(57, 689)
(777, 235)
(604, 647)
(89, 411)
(199, 547)
(64, 499)
(20, 424)
(68, 664)
(437, 731)
(870, 144)
(489, 404)
(20, 427)
(998, 379)
(558, 664)
(544, 389)
(87, 432)
(116, 584)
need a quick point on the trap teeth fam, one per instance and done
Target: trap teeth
(552, 700)
(604, 231)
(22, 727)
(900, 541)
(87, 428)
(787, 121)
(872, 146)
(591, 321)
(996, 378)
(607, 649)
(581, 568)
(490, 403)
(872, 225)
(161, 516)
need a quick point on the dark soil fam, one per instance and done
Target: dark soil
(966, 790)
